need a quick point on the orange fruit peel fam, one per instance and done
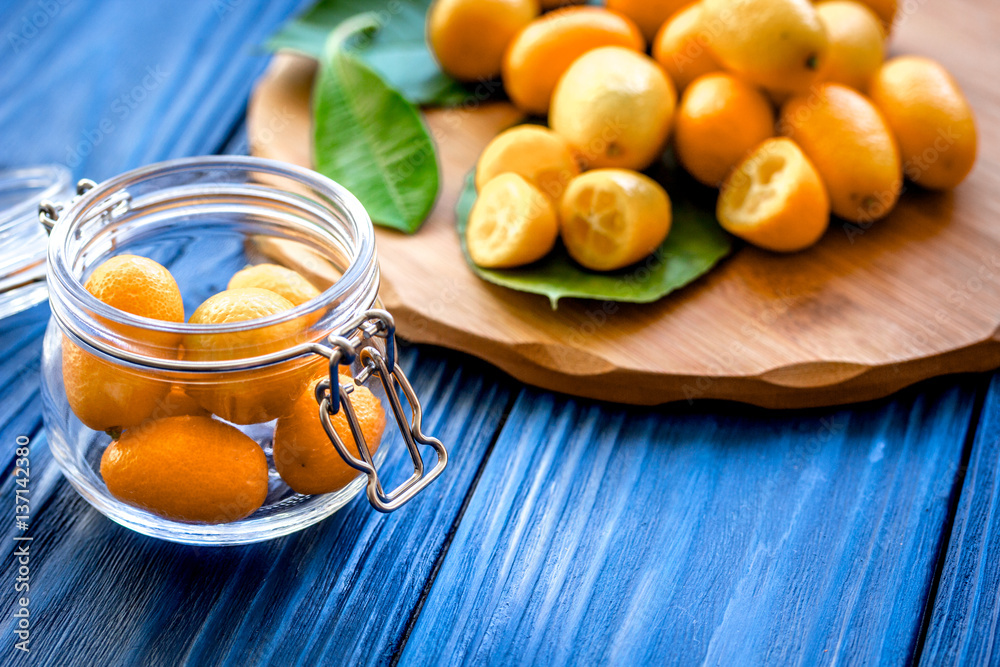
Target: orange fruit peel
(537, 153)
(303, 454)
(540, 54)
(849, 142)
(615, 107)
(469, 37)
(649, 15)
(104, 395)
(856, 43)
(930, 118)
(777, 44)
(140, 286)
(246, 397)
(681, 47)
(278, 279)
(187, 468)
(720, 119)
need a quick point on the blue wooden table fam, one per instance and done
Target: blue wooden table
(565, 531)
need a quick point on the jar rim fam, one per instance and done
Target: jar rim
(361, 270)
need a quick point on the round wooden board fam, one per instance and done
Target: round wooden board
(860, 315)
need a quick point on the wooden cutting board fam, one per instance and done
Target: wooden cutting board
(860, 315)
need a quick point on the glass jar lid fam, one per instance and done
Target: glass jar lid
(23, 241)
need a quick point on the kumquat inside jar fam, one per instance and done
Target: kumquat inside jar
(218, 368)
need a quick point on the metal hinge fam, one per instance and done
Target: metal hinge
(49, 211)
(356, 344)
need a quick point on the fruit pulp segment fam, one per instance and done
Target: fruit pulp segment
(760, 187)
(597, 220)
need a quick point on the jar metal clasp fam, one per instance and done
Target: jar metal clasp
(49, 211)
(356, 343)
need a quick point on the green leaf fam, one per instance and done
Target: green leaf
(695, 244)
(398, 51)
(409, 68)
(369, 139)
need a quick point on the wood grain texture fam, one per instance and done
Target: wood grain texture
(963, 623)
(687, 537)
(862, 314)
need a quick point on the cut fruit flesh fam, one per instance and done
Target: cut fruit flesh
(597, 222)
(613, 217)
(759, 188)
(512, 223)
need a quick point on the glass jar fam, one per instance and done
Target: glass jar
(165, 412)
(22, 240)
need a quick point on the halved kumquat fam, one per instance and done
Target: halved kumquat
(775, 199)
(511, 224)
(611, 218)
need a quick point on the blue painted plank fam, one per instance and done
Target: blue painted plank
(698, 535)
(107, 86)
(20, 398)
(963, 621)
(108, 596)
(343, 590)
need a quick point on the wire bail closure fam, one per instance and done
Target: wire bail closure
(356, 343)
(49, 211)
